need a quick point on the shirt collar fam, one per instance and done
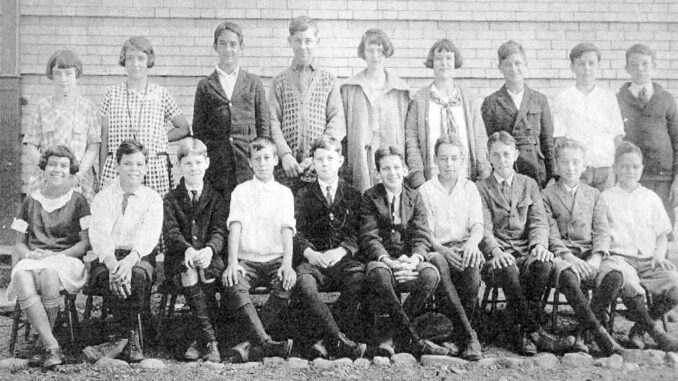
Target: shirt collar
(569, 190)
(296, 65)
(434, 90)
(118, 189)
(516, 95)
(501, 179)
(260, 184)
(635, 89)
(234, 73)
(323, 185)
(438, 184)
(198, 188)
(390, 195)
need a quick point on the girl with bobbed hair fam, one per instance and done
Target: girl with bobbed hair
(375, 104)
(51, 238)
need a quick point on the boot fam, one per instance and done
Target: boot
(421, 347)
(110, 349)
(637, 336)
(54, 357)
(193, 351)
(386, 348)
(549, 343)
(133, 352)
(472, 352)
(240, 353)
(527, 347)
(665, 341)
(277, 348)
(212, 352)
(579, 343)
(38, 354)
(348, 348)
(452, 348)
(319, 350)
(606, 342)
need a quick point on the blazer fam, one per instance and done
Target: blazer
(516, 227)
(417, 129)
(379, 236)
(531, 126)
(185, 226)
(227, 126)
(578, 224)
(323, 227)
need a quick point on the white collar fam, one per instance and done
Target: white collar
(391, 195)
(233, 74)
(324, 185)
(51, 204)
(635, 89)
(118, 189)
(572, 190)
(518, 94)
(260, 184)
(439, 184)
(198, 189)
(501, 179)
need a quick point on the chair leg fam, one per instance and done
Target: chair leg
(86, 320)
(484, 300)
(493, 303)
(554, 311)
(141, 330)
(15, 328)
(161, 316)
(69, 316)
(613, 312)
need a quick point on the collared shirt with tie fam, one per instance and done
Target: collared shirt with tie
(394, 204)
(303, 74)
(227, 80)
(505, 185)
(329, 190)
(642, 92)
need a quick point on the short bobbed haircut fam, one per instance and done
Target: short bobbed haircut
(567, 143)
(640, 49)
(383, 152)
(500, 137)
(377, 37)
(302, 24)
(327, 142)
(444, 45)
(262, 143)
(626, 147)
(508, 48)
(191, 146)
(59, 151)
(63, 59)
(141, 44)
(451, 140)
(130, 147)
(583, 47)
(228, 26)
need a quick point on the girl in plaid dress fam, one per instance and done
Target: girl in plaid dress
(68, 119)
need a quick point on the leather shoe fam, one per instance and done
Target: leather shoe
(385, 348)
(472, 352)
(110, 349)
(212, 352)
(549, 343)
(606, 342)
(528, 347)
(427, 347)
(53, 358)
(240, 353)
(277, 348)
(348, 348)
(637, 337)
(579, 344)
(193, 351)
(133, 352)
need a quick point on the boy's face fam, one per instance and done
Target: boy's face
(194, 167)
(263, 163)
(392, 172)
(449, 161)
(585, 67)
(327, 163)
(374, 56)
(132, 169)
(640, 67)
(570, 165)
(502, 157)
(228, 48)
(57, 170)
(628, 168)
(443, 65)
(304, 45)
(513, 68)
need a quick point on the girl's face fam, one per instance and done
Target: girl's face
(57, 171)
(136, 64)
(443, 65)
(374, 56)
(65, 80)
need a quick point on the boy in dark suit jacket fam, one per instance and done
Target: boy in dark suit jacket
(195, 217)
(394, 242)
(327, 214)
(230, 111)
(579, 238)
(515, 241)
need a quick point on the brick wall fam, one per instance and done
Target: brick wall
(181, 32)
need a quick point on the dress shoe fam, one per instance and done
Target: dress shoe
(110, 349)
(664, 341)
(133, 352)
(579, 343)
(53, 358)
(193, 351)
(472, 351)
(637, 337)
(527, 346)
(37, 354)
(347, 348)
(277, 348)
(240, 353)
(427, 347)
(212, 352)
(318, 350)
(606, 342)
(385, 348)
(452, 348)
(550, 343)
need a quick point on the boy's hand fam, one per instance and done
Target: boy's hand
(392, 263)
(123, 272)
(316, 258)
(189, 258)
(203, 257)
(595, 260)
(335, 255)
(472, 257)
(230, 275)
(291, 166)
(405, 275)
(454, 259)
(502, 259)
(541, 253)
(663, 264)
(288, 276)
(582, 267)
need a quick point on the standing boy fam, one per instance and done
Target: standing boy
(394, 242)
(590, 114)
(523, 113)
(305, 103)
(261, 226)
(327, 214)
(515, 241)
(579, 238)
(651, 123)
(230, 111)
(639, 227)
(195, 217)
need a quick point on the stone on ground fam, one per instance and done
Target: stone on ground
(487, 362)
(153, 364)
(613, 362)
(405, 360)
(649, 357)
(381, 361)
(672, 359)
(577, 359)
(297, 363)
(361, 363)
(345, 361)
(321, 363)
(511, 362)
(214, 366)
(109, 363)
(273, 361)
(545, 360)
(440, 361)
(13, 364)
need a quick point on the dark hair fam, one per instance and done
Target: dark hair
(302, 24)
(509, 47)
(141, 44)
(442, 46)
(627, 147)
(581, 48)
(567, 143)
(64, 59)
(500, 137)
(383, 152)
(191, 146)
(129, 147)
(640, 49)
(261, 143)
(327, 142)
(447, 139)
(377, 37)
(59, 151)
(230, 26)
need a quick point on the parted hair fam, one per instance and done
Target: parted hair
(129, 147)
(447, 139)
(640, 49)
(59, 151)
(327, 142)
(301, 24)
(191, 146)
(63, 59)
(627, 147)
(581, 48)
(261, 143)
(444, 45)
(500, 137)
(509, 47)
(141, 44)
(387, 151)
(230, 26)
(377, 37)
(567, 143)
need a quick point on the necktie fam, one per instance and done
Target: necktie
(328, 195)
(194, 198)
(506, 190)
(125, 198)
(642, 96)
(393, 213)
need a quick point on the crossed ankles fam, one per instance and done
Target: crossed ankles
(245, 351)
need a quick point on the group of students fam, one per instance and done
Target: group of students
(268, 199)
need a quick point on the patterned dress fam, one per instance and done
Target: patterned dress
(74, 125)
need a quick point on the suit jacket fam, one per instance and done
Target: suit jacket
(578, 224)
(227, 126)
(323, 227)
(380, 236)
(514, 227)
(531, 125)
(185, 226)
(417, 145)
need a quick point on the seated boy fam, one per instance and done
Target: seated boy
(327, 215)
(515, 241)
(638, 226)
(261, 226)
(455, 216)
(195, 217)
(578, 231)
(394, 241)
(126, 225)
